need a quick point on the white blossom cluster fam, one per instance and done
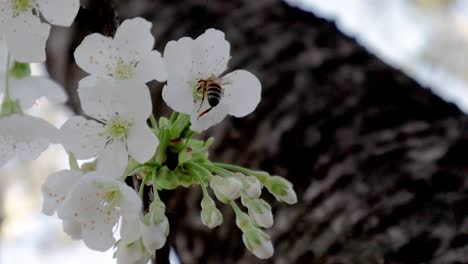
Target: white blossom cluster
(94, 199)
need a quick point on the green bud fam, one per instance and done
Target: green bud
(251, 187)
(226, 189)
(243, 221)
(260, 212)
(20, 70)
(10, 107)
(88, 166)
(258, 243)
(156, 212)
(210, 215)
(282, 189)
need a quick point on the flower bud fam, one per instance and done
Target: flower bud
(282, 189)
(226, 189)
(210, 215)
(251, 187)
(260, 213)
(258, 243)
(156, 214)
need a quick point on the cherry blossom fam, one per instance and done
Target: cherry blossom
(97, 202)
(21, 26)
(119, 128)
(194, 64)
(139, 242)
(127, 56)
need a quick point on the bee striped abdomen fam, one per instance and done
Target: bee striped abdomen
(214, 94)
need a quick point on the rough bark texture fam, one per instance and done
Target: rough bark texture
(378, 162)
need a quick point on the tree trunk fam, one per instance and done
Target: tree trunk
(378, 161)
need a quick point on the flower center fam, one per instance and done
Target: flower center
(21, 6)
(123, 71)
(117, 128)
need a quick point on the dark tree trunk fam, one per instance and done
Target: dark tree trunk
(378, 162)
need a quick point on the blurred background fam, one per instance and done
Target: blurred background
(363, 110)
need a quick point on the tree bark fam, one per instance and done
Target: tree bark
(378, 162)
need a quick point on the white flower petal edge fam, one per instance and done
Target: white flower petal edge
(129, 56)
(59, 12)
(141, 142)
(26, 38)
(151, 68)
(82, 137)
(18, 139)
(29, 89)
(56, 188)
(242, 92)
(134, 39)
(194, 67)
(211, 54)
(113, 159)
(95, 55)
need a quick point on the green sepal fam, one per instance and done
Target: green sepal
(166, 179)
(10, 107)
(20, 70)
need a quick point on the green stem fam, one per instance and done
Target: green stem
(142, 185)
(7, 78)
(154, 124)
(236, 208)
(200, 169)
(218, 170)
(72, 162)
(173, 117)
(161, 151)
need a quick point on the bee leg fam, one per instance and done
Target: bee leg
(202, 101)
(204, 112)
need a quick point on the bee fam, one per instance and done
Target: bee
(212, 91)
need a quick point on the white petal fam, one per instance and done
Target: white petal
(113, 160)
(72, 228)
(99, 236)
(129, 231)
(242, 92)
(134, 39)
(86, 205)
(18, 139)
(56, 188)
(5, 16)
(89, 81)
(27, 90)
(265, 250)
(151, 67)
(141, 142)
(153, 237)
(81, 137)
(211, 54)
(178, 96)
(96, 55)
(216, 115)
(108, 98)
(59, 12)
(178, 60)
(130, 205)
(26, 38)
(82, 203)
